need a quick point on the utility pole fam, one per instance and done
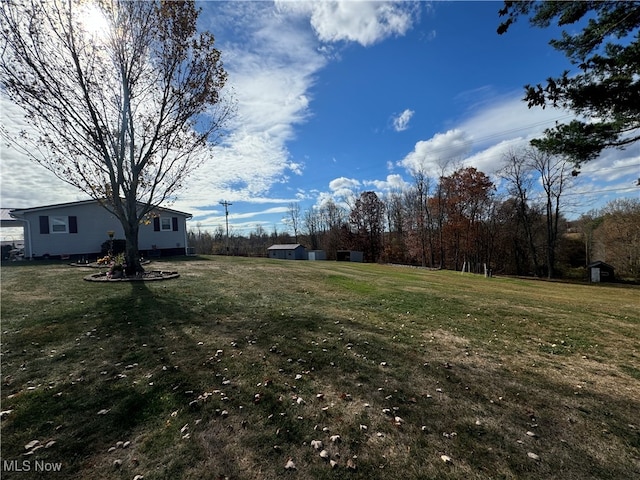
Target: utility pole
(226, 214)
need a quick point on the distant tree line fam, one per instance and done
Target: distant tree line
(458, 221)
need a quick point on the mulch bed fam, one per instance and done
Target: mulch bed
(149, 276)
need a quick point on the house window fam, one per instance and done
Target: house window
(59, 224)
(165, 224)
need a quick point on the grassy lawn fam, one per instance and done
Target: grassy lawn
(240, 364)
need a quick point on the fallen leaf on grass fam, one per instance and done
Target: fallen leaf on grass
(31, 444)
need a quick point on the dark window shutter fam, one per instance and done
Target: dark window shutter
(156, 224)
(73, 224)
(44, 224)
(174, 223)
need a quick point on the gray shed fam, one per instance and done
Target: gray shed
(316, 255)
(601, 272)
(288, 251)
(349, 256)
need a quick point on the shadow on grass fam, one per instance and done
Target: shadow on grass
(88, 393)
(215, 386)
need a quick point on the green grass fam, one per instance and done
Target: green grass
(236, 366)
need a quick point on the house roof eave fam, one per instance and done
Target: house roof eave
(19, 212)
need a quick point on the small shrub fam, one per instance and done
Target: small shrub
(119, 246)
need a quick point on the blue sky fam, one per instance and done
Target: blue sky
(335, 98)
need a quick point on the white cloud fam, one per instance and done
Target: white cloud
(365, 23)
(270, 73)
(393, 183)
(267, 211)
(242, 221)
(491, 159)
(273, 53)
(273, 58)
(343, 183)
(495, 119)
(401, 122)
(342, 192)
(24, 182)
(491, 127)
(432, 155)
(496, 125)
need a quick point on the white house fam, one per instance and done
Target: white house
(80, 229)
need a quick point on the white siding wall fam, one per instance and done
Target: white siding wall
(93, 223)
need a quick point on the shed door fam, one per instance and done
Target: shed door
(595, 275)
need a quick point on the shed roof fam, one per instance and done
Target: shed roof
(600, 263)
(285, 246)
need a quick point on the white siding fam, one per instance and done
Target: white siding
(93, 223)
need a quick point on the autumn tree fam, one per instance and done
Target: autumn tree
(322, 225)
(603, 44)
(517, 172)
(417, 201)
(586, 225)
(467, 198)
(554, 176)
(367, 218)
(124, 98)
(511, 248)
(257, 241)
(618, 236)
(294, 218)
(311, 221)
(394, 247)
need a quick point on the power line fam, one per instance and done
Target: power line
(606, 190)
(607, 169)
(226, 216)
